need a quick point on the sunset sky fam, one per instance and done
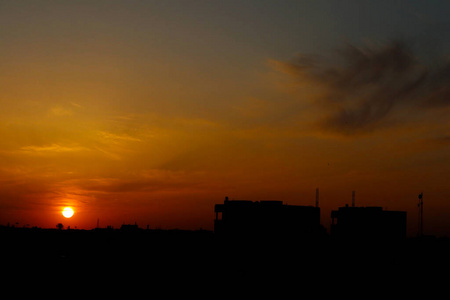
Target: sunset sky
(154, 111)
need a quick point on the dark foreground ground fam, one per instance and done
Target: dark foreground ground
(199, 261)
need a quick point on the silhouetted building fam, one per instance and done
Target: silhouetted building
(129, 227)
(368, 223)
(242, 217)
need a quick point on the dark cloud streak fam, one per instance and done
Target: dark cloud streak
(364, 87)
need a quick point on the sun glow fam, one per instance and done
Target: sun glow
(67, 212)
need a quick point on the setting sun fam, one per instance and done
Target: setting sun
(67, 212)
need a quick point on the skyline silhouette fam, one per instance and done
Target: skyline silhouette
(137, 116)
(255, 244)
(278, 256)
(243, 215)
(273, 217)
(247, 214)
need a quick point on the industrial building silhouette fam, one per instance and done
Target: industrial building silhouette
(268, 218)
(273, 218)
(367, 223)
(275, 242)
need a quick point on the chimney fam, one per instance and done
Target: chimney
(317, 197)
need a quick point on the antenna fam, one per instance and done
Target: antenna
(420, 205)
(353, 198)
(317, 197)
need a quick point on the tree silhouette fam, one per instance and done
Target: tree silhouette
(60, 226)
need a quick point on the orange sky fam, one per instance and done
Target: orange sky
(152, 113)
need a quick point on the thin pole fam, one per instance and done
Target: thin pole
(317, 197)
(420, 214)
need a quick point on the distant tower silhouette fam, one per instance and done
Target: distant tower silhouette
(317, 197)
(353, 198)
(420, 205)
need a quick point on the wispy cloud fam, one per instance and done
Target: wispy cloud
(60, 111)
(435, 142)
(53, 148)
(145, 181)
(77, 105)
(109, 154)
(118, 137)
(364, 88)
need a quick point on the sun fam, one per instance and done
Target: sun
(67, 212)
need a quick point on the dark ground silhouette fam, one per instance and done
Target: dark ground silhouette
(245, 253)
(206, 258)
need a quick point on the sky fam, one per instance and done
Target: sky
(154, 111)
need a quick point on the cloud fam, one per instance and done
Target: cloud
(142, 182)
(113, 137)
(363, 89)
(436, 142)
(77, 105)
(60, 111)
(53, 148)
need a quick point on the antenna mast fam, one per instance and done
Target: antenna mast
(353, 198)
(420, 205)
(317, 197)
